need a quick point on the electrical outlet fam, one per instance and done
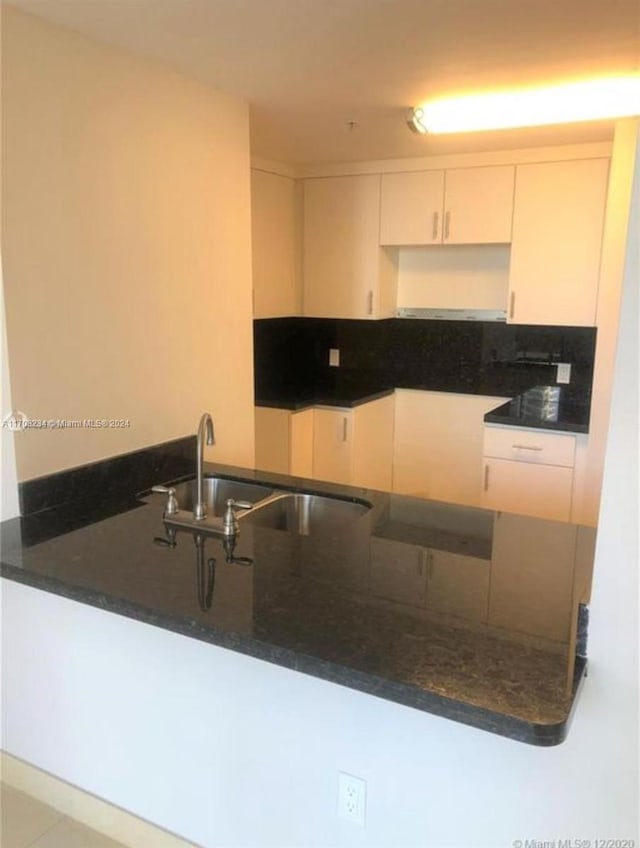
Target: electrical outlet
(351, 797)
(334, 357)
(564, 372)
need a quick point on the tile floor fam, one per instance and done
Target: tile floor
(27, 823)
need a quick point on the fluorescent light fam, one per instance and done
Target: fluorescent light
(588, 100)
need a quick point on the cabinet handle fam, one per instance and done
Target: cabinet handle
(434, 231)
(526, 447)
(447, 222)
(512, 305)
(486, 478)
(344, 429)
(370, 303)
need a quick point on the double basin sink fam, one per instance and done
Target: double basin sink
(302, 513)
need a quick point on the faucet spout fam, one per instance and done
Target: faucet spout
(205, 429)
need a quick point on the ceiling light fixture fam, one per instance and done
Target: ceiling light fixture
(415, 121)
(587, 100)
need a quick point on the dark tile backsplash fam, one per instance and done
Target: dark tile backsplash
(110, 479)
(292, 355)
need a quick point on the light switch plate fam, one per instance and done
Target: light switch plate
(564, 372)
(334, 357)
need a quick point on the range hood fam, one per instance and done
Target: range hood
(452, 314)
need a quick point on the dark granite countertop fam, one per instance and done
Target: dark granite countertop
(351, 607)
(341, 396)
(546, 407)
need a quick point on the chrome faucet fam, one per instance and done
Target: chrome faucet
(205, 427)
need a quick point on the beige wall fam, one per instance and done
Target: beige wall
(127, 254)
(276, 218)
(9, 506)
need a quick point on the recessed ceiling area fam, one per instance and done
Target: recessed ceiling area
(332, 80)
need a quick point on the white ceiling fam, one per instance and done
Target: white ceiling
(308, 67)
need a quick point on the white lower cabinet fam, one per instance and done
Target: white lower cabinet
(438, 445)
(423, 444)
(354, 446)
(284, 441)
(529, 472)
(350, 446)
(332, 441)
(436, 580)
(543, 491)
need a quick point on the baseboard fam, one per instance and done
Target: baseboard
(88, 809)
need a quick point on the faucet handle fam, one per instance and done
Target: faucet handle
(230, 522)
(238, 504)
(171, 507)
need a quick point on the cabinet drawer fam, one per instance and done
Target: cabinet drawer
(530, 446)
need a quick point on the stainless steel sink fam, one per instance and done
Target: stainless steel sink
(217, 491)
(293, 512)
(305, 514)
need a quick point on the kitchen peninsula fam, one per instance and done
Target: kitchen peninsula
(398, 604)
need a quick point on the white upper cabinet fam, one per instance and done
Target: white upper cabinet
(346, 272)
(411, 209)
(557, 240)
(458, 206)
(478, 205)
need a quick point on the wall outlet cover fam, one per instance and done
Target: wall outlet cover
(334, 357)
(564, 373)
(351, 798)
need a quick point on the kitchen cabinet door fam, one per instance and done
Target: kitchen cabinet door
(526, 488)
(355, 446)
(372, 458)
(558, 222)
(478, 205)
(532, 573)
(272, 439)
(411, 208)
(332, 439)
(437, 451)
(459, 206)
(346, 272)
(284, 441)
